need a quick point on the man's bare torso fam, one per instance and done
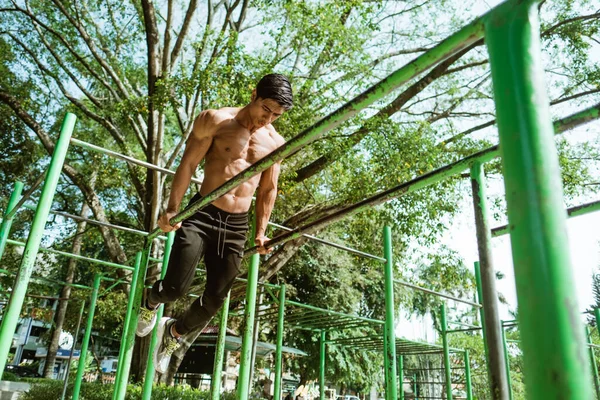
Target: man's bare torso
(234, 149)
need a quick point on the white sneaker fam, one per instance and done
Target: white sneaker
(146, 321)
(166, 344)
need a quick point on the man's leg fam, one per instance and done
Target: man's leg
(220, 275)
(187, 250)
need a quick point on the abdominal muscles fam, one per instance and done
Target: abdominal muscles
(217, 172)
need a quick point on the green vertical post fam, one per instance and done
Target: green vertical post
(278, 351)
(215, 383)
(507, 364)
(249, 313)
(487, 280)
(553, 341)
(17, 296)
(149, 378)
(390, 325)
(86, 336)
(128, 336)
(468, 376)
(415, 386)
(593, 362)
(597, 315)
(401, 376)
(385, 364)
(322, 366)
(7, 221)
(66, 382)
(447, 370)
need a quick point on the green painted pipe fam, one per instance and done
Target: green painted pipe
(279, 352)
(215, 383)
(447, 370)
(487, 276)
(468, 35)
(597, 315)
(507, 364)
(390, 311)
(86, 337)
(593, 362)
(243, 386)
(7, 220)
(322, 354)
(386, 367)
(553, 342)
(149, 378)
(468, 384)
(77, 257)
(131, 316)
(401, 375)
(572, 212)
(11, 315)
(67, 371)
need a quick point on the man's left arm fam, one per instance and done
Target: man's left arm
(265, 200)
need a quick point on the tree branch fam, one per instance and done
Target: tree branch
(183, 32)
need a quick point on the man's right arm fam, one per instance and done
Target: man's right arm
(196, 148)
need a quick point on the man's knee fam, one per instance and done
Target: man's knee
(212, 303)
(164, 293)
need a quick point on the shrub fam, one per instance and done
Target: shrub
(9, 376)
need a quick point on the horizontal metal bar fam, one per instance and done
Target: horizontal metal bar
(61, 283)
(447, 296)
(294, 303)
(25, 196)
(123, 157)
(69, 255)
(571, 212)
(332, 244)
(463, 330)
(463, 324)
(95, 222)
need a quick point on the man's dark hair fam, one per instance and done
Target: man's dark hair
(276, 87)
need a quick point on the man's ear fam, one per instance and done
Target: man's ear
(253, 96)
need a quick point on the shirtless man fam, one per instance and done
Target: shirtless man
(230, 140)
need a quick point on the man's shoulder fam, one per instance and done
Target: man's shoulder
(217, 115)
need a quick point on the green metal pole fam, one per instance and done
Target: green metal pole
(279, 352)
(593, 362)
(215, 384)
(66, 382)
(149, 378)
(507, 364)
(86, 336)
(415, 386)
(468, 376)
(322, 366)
(390, 325)
(401, 376)
(128, 336)
(553, 340)
(597, 315)
(447, 369)
(7, 221)
(487, 280)
(11, 315)
(246, 366)
(385, 365)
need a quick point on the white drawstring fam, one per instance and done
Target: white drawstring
(221, 249)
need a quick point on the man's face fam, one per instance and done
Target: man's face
(265, 111)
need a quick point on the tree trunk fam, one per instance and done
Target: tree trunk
(61, 311)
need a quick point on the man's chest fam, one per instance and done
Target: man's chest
(235, 144)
